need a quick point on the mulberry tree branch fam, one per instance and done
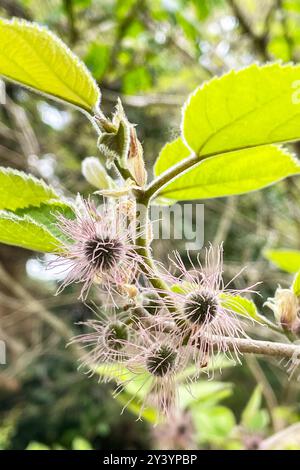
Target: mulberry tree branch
(265, 348)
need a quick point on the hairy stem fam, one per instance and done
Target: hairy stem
(290, 336)
(143, 245)
(266, 348)
(156, 185)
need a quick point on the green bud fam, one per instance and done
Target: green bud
(95, 173)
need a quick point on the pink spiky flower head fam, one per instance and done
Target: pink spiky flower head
(106, 341)
(98, 248)
(206, 309)
(154, 362)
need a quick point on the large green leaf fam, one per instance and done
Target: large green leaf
(46, 215)
(25, 232)
(227, 174)
(255, 106)
(287, 260)
(33, 56)
(18, 190)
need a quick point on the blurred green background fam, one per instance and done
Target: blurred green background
(151, 53)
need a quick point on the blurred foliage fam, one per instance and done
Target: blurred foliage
(152, 53)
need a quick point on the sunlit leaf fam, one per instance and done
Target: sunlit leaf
(79, 443)
(255, 106)
(287, 260)
(47, 215)
(26, 233)
(19, 190)
(240, 305)
(33, 56)
(224, 175)
(33, 445)
(135, 405)
(296, 284)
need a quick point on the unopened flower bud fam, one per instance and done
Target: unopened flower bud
(135, 161)
(285, 306)
(114, 141)
(95, 173)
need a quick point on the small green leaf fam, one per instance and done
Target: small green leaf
(79, 443)
(114, 371)
(34, 445)
(296, 285)
(19, 190)
(34, 57)
(26, 233)
(208, 393)
(224, 175)
(240, 305)
(253, 417)
(213, 424)
(135, 405)
(134, 390)
(255, 106)
(252, 406)
(287, 260)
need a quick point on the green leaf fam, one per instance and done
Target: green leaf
(254, 418)
(255, 106)
(79, 443)
(287, 260)
(46, 215)
(33, 56)
(134, 390)
(97, 59)
(19, 190)
(135, 405)
(224, 175)
(115, 372)
(208, 393)
(26, 233)
(34, 445)
(213, 424)
(296, 285)
(136, 81)
(240, 305)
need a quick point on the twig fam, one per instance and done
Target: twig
(37, 307)
(265, 348)
(283, 438)
(267, 390)
(69, 9)
(226, 221)
(259, 41)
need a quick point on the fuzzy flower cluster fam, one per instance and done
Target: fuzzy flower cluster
(98, 248)
(143, 337)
